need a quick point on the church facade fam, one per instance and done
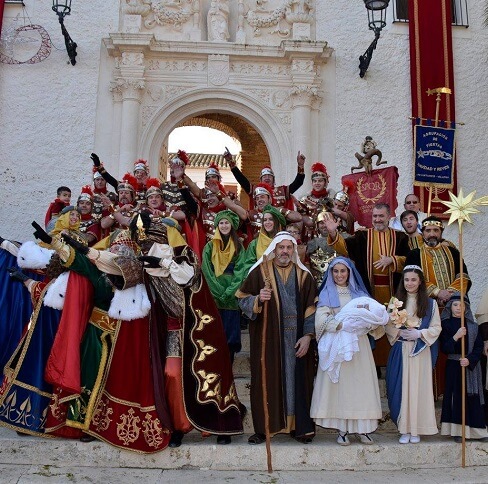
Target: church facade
(280, 76)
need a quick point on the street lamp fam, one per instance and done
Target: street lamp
(376, 21)
(63, 8)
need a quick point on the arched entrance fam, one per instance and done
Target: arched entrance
(249, 149)
(271, 95)
(262, 140)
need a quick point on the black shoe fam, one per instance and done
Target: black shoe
(21, 434)
(458, 439)
(176, 438)
(256, 439)
(223, 439)
(86, 438)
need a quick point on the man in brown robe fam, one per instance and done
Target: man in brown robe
(279, 294)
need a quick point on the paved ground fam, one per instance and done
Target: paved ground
(23, 474)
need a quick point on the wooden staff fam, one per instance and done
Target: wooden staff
(463, 352)
(267, 285)
(461, 208)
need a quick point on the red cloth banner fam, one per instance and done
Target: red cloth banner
(431, 67)
(367, 190)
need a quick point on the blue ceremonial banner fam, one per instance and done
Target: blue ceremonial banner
(434, 156)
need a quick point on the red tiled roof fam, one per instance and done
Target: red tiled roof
(201, 160)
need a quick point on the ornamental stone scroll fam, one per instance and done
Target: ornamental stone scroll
(273, 18)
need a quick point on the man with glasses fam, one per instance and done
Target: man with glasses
(411, 203)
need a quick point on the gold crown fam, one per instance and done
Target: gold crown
(437, 223)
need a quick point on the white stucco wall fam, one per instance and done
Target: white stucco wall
(379, 105)
(47, 113)
(48, 121)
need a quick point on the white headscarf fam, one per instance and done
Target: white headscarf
(269, 252)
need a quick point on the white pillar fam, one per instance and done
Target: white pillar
(304, 95)
(132, 91)
(132, 85)
(116, 90)
(302, 100)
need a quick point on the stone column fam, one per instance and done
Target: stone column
(303, 96)
(116, 90)
(132, 85)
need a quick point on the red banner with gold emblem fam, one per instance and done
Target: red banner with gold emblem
(367, 190)
(431, 67)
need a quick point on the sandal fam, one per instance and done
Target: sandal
(365, 439)
(256, 439)
(343, 439)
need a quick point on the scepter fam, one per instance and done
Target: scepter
(461, 208)
(267, 285)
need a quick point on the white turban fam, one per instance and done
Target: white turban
(269, 252)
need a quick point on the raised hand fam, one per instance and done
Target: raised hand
(301, 160)
(331, 224)
(96, 159)
(41, 234)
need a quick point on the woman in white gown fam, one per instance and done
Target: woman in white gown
(411, 359)
(352, 403)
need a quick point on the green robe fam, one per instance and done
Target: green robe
(224, 287)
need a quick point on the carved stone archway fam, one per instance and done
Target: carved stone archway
(216, 104)
(164, 74)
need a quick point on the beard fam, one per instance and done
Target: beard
(283, 260)
(432, 241)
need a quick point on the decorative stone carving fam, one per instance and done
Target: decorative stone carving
(147, 113)
(297, 13)
(155, 93)
(263, 94)
(300, 65)
(171, 12)
(261, 69)
(285, 119)
(176, 66)
(218, 21)
(261, 18)
(137, 7)
(275, 99)
(132, 89)
(303, 95)
(241, 33)
(116, 90)
(218, 69)
(134, 11)
(132, 59)
(174, 91)
(281, 99)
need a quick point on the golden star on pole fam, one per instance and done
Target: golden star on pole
(461, 208)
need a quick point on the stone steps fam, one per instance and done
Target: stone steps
(241, 369)
(287, 455)
(386, 454)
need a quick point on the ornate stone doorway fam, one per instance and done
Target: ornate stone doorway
(162, 75)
